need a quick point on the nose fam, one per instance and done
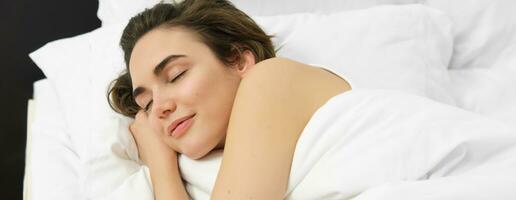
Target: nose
(162, 106)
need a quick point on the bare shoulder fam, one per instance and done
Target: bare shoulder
(277, 68)
(273, 104)
(301, 83)
(281, 83)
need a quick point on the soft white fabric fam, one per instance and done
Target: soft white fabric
(53, 165)
(114, 11)
(27, 176)
(405, 48)
(80, 68)
(58, 61)
(488, 91)
(481, 186)
(386, 142)
(274, 7)
(484, 32)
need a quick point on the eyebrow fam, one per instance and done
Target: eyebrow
(157, 70)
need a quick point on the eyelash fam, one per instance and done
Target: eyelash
(147, 107)
(178, 76)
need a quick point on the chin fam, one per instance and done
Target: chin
(197, 148)
(194, 153)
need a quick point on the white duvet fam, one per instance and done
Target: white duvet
(379, 144)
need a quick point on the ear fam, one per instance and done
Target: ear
(247, 62)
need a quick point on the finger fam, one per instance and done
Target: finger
(131, 128)
(142, 113)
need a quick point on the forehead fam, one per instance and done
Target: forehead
(160, 42)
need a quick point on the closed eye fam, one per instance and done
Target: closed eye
(178, 76)
(147, 107)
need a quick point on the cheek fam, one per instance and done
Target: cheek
(155, 126)
(194, 90)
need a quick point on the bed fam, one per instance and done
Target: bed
(459, 53)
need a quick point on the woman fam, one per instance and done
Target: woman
(201, 75)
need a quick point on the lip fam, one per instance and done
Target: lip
(171, 130)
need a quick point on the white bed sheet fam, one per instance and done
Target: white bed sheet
(52, 168)
(487, 91)
(28, 171)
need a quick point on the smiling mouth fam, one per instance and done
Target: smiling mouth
(180, 126)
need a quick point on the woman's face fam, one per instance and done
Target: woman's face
(180, 77)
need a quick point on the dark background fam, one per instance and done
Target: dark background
(26, 25)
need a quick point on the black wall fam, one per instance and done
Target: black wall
(26, 25)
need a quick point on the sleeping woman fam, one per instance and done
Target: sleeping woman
(201, 75)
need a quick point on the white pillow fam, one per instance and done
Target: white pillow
(274, 7)
(80, 69)
(489, 92)
(63, 62)
(484, 32)
(52, 164)
(404, 48)
(410, 44)
(114, 11)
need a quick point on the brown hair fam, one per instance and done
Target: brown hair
(226, 30)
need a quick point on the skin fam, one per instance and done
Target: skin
(240, 108)
(207, 89)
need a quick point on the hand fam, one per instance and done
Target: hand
(151, 148)
(160, 158)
